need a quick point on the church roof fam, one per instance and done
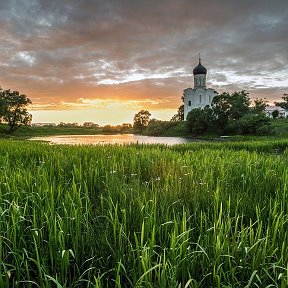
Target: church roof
(199, 69)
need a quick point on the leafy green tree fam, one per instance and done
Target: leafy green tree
(283, 104)
(221, 107)
(259, 106)
(198, 120)
(180, 114)
(13, 109)
(141, 120)
(228, 109)
(239, 105)
(234, 113)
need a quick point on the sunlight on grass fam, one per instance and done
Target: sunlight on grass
(194, 215)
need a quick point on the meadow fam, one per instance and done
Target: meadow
(193, 215)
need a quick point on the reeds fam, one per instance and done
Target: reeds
(198, 215)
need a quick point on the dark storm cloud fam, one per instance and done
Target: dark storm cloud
(64, 50)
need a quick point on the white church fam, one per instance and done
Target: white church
(199, 96)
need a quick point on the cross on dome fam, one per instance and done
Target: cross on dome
(199, 69)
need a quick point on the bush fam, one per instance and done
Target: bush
(250, 123)
(180, 130)
(158, 128)
(198, 120)
(265, 130)
(232, 127)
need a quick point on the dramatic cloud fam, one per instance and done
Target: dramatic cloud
(140, 52)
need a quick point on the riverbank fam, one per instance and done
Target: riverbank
(30, 131)
(278, 128)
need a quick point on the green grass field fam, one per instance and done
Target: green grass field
(197, 215)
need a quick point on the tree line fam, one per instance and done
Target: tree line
(229, 113)
(233, 113)
(14, 114)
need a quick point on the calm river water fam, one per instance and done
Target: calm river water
(110, 139)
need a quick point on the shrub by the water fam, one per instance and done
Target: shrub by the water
(197, 215)
(162, 128)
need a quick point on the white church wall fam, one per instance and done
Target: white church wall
(192, 99)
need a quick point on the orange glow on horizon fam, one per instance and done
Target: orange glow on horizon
(110, 114)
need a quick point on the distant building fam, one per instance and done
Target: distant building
(283, 113)
(199, 96)
(44, 124)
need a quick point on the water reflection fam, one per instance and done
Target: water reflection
(110, 139)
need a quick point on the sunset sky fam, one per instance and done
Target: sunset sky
(104, 60)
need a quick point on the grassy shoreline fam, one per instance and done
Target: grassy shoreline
(278, 126)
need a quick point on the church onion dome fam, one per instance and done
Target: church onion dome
(199, 69)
